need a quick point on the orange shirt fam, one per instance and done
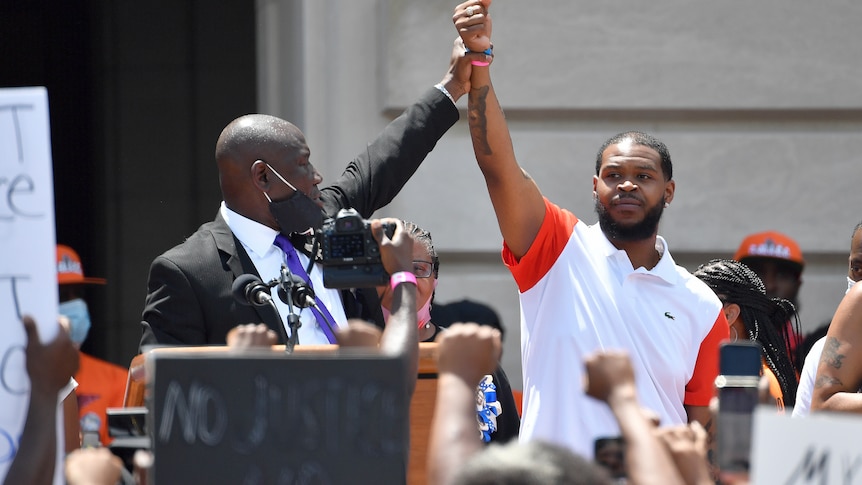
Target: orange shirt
(101, 385)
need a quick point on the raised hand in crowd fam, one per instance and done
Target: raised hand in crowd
(688, 447)
(50, 367)
(465, 354)
(610, 378)
(399, 337)
(93, 466)
(359, 334)
(251, 335)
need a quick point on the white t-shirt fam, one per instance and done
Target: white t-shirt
(806, 380)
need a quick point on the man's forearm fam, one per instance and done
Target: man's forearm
(647, 460)
(844, 402)
(702, 415)
(400, 335)
(380, 171)
(454, 430)
(35, 461)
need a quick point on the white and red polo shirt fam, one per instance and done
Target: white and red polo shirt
(579, 294)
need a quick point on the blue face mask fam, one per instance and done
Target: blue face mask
(79, 319)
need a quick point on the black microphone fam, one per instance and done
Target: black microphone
(248, 289)
(301, 293)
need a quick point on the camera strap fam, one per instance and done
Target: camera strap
(315, 247)
(308, 245)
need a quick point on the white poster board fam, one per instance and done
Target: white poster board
(28, 265)
(822, 448)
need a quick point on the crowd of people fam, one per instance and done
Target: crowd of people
(620, 345)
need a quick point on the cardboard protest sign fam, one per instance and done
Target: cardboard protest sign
(822, 448)
(28, 273)
(277, 418)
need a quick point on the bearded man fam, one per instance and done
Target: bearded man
(587, 288)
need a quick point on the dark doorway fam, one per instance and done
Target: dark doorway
(138, 93)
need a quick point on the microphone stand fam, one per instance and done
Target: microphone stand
(285, 283)
(282, 332)
(294, 290)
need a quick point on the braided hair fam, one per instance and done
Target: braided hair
(423, 237)
(734, 282)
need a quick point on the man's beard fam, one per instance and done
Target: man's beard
(634, 232)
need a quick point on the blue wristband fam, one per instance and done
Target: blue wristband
(488, 52)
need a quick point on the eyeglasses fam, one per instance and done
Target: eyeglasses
(423, 269)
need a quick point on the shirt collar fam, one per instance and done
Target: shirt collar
(257, 237)
(665, 269)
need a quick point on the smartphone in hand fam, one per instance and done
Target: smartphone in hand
(737, 386)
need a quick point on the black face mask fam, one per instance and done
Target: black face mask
(296, 214)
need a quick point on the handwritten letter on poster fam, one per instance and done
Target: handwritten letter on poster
(28, 273)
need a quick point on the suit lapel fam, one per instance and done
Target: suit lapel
(239, 263)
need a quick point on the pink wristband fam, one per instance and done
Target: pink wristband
(488, 52)
(402, 277)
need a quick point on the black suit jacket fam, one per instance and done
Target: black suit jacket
(189, 298)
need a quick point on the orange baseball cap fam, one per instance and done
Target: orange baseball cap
(770, 244)
(69, 268)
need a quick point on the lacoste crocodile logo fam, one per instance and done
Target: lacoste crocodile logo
(668, 315)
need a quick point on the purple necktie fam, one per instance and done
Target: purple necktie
(324, 319)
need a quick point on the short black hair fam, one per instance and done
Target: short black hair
(640, 138)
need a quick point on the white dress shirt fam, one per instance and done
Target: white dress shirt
(258, 239)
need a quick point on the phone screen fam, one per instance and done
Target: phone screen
(740, 358)
(610, 454)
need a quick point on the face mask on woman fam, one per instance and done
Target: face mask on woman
(423, 315)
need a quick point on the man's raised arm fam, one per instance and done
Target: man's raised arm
(517, 200)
